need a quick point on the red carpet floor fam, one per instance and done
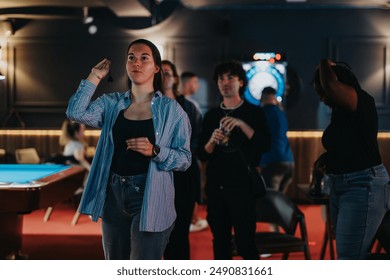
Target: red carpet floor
(57, 239)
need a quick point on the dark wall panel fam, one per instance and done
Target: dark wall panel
(369, 59)
(190, 54)
(47, 58)
(45, 73)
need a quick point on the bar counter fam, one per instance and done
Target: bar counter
(306, 146)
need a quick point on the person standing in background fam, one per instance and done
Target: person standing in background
(187, 184)
(231, 132)
(145, 137)
(357, 179)
(189, 86)
(277, 165)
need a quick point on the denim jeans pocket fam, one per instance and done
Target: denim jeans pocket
(387, 196)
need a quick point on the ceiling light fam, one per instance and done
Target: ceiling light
(86, 18)
(92, 29)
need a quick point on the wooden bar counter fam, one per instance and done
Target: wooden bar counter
(45, 141)
(306, 146)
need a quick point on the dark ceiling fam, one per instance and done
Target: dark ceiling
(143, 13)
(146, 8)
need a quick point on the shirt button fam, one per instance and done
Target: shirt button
(221, 187)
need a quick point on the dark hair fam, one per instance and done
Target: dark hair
(268, 91)
(231, 67)
(175, 87)
(343, 73)
(72, 128)
(187, 75)
(69, 129)
(158, 78)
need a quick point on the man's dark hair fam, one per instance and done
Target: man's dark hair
(187, 75)
(268, 91)
(234, 68)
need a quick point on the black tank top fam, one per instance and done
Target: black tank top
(351, 138)
(127, 162)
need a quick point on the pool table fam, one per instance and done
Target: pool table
(28, 187)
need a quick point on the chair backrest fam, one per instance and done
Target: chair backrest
(383, 233)
(276, 208)
(27, 155)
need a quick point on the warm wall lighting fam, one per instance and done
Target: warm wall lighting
(2, 77)
(43, 132)
(6, 28)
(161, 50)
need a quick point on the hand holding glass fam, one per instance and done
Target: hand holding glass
(225, 140)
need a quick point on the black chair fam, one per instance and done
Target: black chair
(276, 208)
(382, 241)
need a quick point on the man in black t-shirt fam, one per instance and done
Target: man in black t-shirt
(234, 134)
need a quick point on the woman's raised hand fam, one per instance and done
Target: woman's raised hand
(99, 71)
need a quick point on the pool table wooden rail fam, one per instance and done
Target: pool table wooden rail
(15, 202)
(58, 187)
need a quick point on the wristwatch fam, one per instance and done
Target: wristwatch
(155, 151)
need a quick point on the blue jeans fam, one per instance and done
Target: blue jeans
(357, 206)
(122, 239)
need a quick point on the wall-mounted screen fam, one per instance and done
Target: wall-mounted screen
(268, 70)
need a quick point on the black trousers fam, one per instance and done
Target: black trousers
(232, 208)
(178, 247)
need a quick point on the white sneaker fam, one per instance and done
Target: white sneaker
(78, 191)
(265, 255)
(200, 224)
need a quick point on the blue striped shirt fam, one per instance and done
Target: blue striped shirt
(172, 132)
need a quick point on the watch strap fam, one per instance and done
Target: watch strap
(155, 151)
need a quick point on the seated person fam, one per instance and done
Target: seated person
(72, 139)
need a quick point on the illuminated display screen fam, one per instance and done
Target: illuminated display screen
(264, 73)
